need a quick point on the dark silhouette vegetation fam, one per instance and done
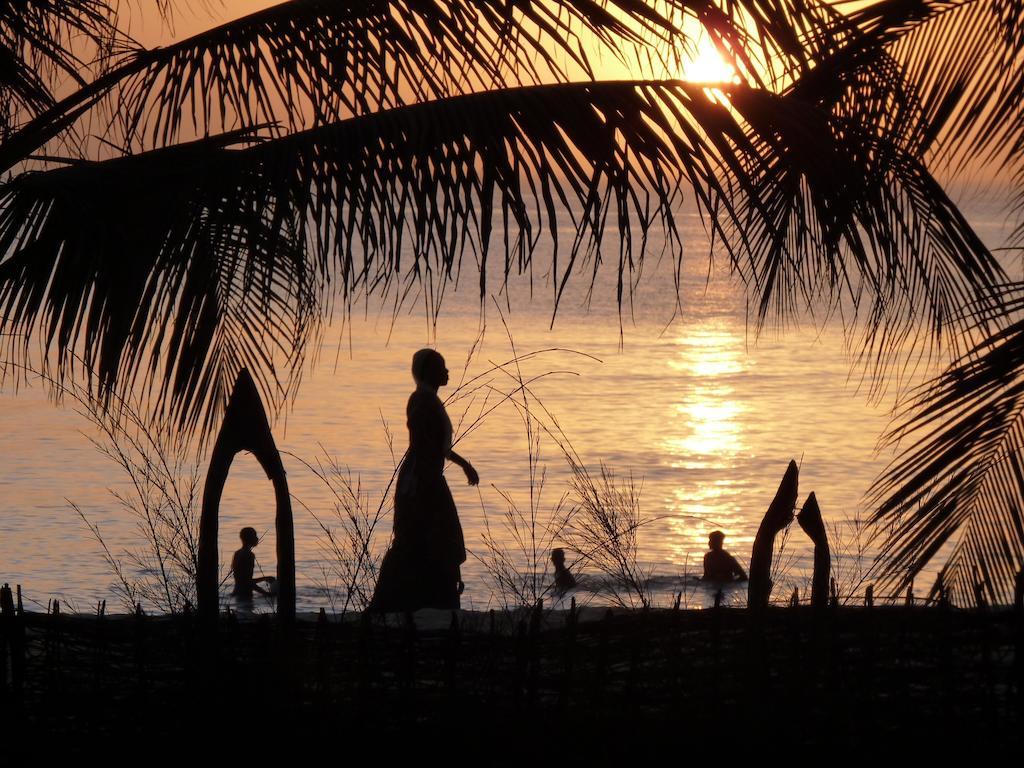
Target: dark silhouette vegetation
(856, 675)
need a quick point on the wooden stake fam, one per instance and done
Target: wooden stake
(811, 523)
(778, 516)
(245, 428)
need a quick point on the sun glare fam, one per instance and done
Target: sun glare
(708, 66)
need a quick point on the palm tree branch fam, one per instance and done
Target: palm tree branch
(42, 39)
(865, 231)
(310, 61)
(322, 60)
(414, 190)
(959, 479)
(959, 60)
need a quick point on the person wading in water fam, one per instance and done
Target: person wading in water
(243, 564)
(719, 565)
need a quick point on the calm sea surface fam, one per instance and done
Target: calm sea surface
(701, 412)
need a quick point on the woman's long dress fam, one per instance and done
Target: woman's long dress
(421, 569)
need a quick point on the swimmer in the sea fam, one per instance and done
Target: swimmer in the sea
(719, 565)
(564, 580)
(242, 566)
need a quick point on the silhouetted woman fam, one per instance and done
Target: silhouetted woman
(422, 567)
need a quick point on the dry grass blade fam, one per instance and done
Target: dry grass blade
(516, 555)
(351, 541)
(604, 532)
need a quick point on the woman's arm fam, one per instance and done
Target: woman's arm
(471, 474)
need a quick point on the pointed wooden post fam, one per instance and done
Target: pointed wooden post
(778, 516)
(245, 428)
(811, 523)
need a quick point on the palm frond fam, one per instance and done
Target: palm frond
(958, 62)
(36, 44)
(402, 198)
(138, 283)
(313, 61)
(860, 228)
(964, 59)
(82, 280)
(957, 489)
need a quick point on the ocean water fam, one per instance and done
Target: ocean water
(693, 413)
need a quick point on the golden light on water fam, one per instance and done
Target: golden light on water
(713, 424)
(711, 415)
(708, 436)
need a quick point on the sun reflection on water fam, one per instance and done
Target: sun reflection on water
(708, 436)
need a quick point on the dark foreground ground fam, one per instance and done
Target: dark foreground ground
(495, 688)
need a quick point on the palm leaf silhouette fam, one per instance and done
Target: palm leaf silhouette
(35, 46)
(408, 194)
(968, 92)
(862, 230)
(971, 91)
(959, 483)
(954, 489)
(303, 62)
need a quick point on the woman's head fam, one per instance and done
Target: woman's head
(428, 368)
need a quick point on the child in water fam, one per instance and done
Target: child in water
(242, 566)
(719, 565)
(564, 580)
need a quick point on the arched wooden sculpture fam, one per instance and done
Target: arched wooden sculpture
(810, 520)
(778, 516)
(245, 428)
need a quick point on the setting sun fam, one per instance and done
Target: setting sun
(708, 65)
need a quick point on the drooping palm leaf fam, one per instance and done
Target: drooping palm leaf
(405, 196)
(863, 230)
(136, 270)
(949, 73)
(309, 61)
(964, 62)
(860, 83)
(964, 59)
(353, 193)
(320, 60)
(957, 488)
(36, 44)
